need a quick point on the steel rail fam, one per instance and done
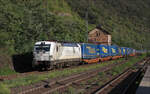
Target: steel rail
(62, 83)
(120, 76)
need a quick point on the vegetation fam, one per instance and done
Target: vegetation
(102, 77)
(55, 74)
(71, 90)
(148, 54)
(4, 89)
(6, 71)
(6, 66)
(23, 22)
(127, 21)
(121, 68)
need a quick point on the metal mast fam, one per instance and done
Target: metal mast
(86, 17)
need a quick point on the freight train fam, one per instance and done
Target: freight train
(52, 54)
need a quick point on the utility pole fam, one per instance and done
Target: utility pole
(86, 17)
(46, 13)
(46, 10)
(63, 3)
(87, 24)
(30, 13)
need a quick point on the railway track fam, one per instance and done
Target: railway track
(121, 83)
(14, 76)
(49, 86)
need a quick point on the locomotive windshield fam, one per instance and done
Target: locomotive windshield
(45, 47)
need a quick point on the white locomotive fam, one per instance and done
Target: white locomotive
(48, 54)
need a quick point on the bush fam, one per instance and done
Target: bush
(4, 89)
(148, 54)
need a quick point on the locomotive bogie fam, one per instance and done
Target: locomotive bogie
(90, 53)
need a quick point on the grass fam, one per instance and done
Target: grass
(101, 74)
(71, 90)
(90, 80)
(116, 70)
(4, 89)
(120, 68)
(6, 71)
(6, 64)
(55, 74)
(99, 83)
(148, 54)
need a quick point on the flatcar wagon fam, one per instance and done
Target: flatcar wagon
(104, 52)
(114, 50)
(123, 51)
(90, 53)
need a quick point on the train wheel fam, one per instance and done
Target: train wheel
(60, 66)
(57, 65)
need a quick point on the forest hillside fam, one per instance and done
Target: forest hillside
(23, 22)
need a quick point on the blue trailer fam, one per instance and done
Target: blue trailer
(89, 51)
(123, 51)
(129, 51)
(103, 51)
(119, 48)
(114, 50)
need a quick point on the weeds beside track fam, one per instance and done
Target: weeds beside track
(18, 75)
(50, 86)
(121, 83)
(56, 74)
(89, 86)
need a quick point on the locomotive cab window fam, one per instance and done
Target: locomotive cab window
(45, 47)
(69, 44)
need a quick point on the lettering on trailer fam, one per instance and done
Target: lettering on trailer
(113, 50)
(124, 50)
(98, 51)
(119, 50)
(105, 50)
(91, 50)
